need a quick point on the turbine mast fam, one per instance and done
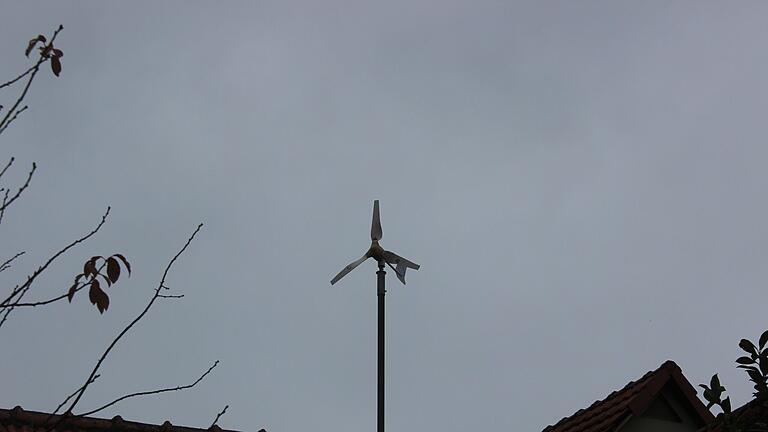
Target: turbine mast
(380, 291)
(399, 265)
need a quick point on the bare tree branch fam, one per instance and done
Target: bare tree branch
(23, 74)
(2, 209)
(77, 288)
(218, 416)
(151, 392)
(16, 114)
(64, 402)
(37, 272)
(20, 290)
(7, 264)
(113, 268)
(16, 104)
(80, 286)
(135, 320)
(35, 69)
(8, 202)
(8, 165)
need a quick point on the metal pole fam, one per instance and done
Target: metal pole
(380, 291)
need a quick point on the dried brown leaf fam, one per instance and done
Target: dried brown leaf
(32, 43)
(103, 302)
(98, 296)
(93, 292)
(89, 268)
(71, 292)
(113, 269)
(55, 65)
(125, 261)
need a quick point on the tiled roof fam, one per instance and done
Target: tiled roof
(607, 414)
(19, 420)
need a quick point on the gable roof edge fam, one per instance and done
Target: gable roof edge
(670, 371)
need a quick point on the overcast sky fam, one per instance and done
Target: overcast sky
(583, 184)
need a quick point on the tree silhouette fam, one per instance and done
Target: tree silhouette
(750, 418)
(98, 273)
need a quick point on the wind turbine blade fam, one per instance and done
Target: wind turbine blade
(400, 272)
(348, 269)
(401, 264)
(376, 223)
(399, 261)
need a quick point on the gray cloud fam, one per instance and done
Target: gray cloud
(580, 183)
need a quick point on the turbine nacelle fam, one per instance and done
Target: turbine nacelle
(378, 253)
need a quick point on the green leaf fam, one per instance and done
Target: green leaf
(763, 339)
(726, 405)
(714, 383)
(748, 346)
(709, 396)
(754, 368)
(755, 376)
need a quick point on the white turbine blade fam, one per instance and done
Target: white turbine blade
(400, 272)
(401, 264)
(348, 269)
(376, 223)
(396, 259)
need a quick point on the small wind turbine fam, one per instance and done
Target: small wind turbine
(378, 253)
(382, 257)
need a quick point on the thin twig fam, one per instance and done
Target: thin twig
(218, 416)
(24, 108)
(35, 70)
(8, 165)
(150, 392)
(135, 320)
(21, 189)
(56, 255)
(20, 290)
(2, 209)
(16, 104)
(171, 296)
(78, 287)
(64, 402)
(7, 264)
(23, 74)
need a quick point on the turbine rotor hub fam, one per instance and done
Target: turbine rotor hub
(376, 251)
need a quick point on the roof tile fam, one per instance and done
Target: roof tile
(605, 415)
(20, 420)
